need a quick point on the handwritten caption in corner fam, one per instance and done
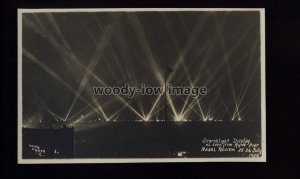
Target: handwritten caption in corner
(240, 145)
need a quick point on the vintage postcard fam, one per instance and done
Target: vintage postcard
(141, 85)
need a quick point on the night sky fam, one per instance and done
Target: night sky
(66, 54)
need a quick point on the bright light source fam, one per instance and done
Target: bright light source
(179, 117)
(146, 118)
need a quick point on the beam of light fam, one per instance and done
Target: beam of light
(151, 59)
(34, 27)
(107, 118)
(229, 52)
(252, 52)
(89, 32)
(249, 102)
(146, 46)
(85, 78)
(225, 106)
(44, 106)
(91, 65)
(154, 105)
(117, 61)
(79, 112)
(226, 57)
(244, 91)
(54, 116)
(182, 53)
(192, 85)
(121, 99)
(185, 107)
(235, 65)
(156, 111)
(72, 118)
(81, 119)
(104, 84)
(191, 106)
(220, 64)
(192, 37)
(114, 75)
(225, 60)
(115, 57)
(72, 56)
(239, 99)
(52, 73)
(170, 103)
(224, 75)
(245, 106)
(130, 74)
(180, 61)
(116, 112)
(64, 50)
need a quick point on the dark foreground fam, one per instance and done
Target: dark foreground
(160, 139)
(137, 140)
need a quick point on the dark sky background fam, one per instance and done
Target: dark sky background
(219, 50)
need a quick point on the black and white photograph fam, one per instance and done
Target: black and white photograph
(141, 85)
